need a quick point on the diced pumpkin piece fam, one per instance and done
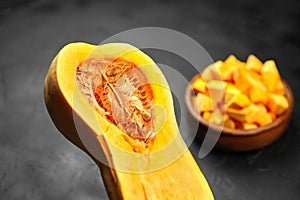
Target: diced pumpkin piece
(231, 88)
(253, 63)
(242, 79)
(239, 101)
(229, 98)
(270, 75)
(264, 119)
(216, 90)
(258, 93)
(273, 115)
(202, 103)
(254, 112)
(279, 89)
(257, 114)
(229, 123)
(232, 61)
(228, 68)
(206, 115)
(217, 117)
(230, 91)
(277, 103)
(239, 115)
(212, 72)
(248, 126)
(255, 75)
(199, 85)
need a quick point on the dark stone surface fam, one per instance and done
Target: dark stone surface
(36, 162)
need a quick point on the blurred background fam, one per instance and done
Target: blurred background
(37, 162)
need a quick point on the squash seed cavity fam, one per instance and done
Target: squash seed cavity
(120, 92)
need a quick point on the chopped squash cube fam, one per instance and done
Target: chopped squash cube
(202, 103)
(258, 93)
(231, 88)
(230, 91)
(254, 75)
(206, 115)
(229, 123)
(248, 126)
(232, 61)
(270, 75)
(277, 103)
(217, 117)
(254, 112)
(253, 63)
(212, 72)
(216, 90)
(228, 68)
(239, 101)
(273, 115)
(239, 115)
(242, 79)
(199, 85)
(264, 119)
(279, 89)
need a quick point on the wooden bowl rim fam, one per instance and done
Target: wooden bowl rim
(239, 132)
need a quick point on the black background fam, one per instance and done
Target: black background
(36, 162)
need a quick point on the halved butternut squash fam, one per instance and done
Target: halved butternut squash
(150, 161)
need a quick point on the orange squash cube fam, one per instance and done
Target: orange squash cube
(254, 112)
(232, 61)
(199, 85)
(228, 68)
(253, 63)
(206, 115)
(202, 103)
(270, 75)
(242, 79)
(273, 115)
(258, 93)
(277, 103)
(229, 123)
(248, 126)
(279, 89)
(217, 117)
(238, 101)
(255, 75)
(230, 91)
(212, 72)
(239, 115)
(216, 90)
(264, 119)
(231, 88)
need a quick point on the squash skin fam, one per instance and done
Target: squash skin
(56, 104)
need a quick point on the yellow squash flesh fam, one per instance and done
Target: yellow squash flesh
(166, 171)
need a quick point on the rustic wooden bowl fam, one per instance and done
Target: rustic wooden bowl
(243, 140)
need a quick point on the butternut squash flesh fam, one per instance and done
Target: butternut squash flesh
(156, 167)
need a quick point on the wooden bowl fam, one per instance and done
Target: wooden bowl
(243, 140)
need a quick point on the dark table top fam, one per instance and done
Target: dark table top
(37, 162)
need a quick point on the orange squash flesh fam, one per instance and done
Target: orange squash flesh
(163, 170)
